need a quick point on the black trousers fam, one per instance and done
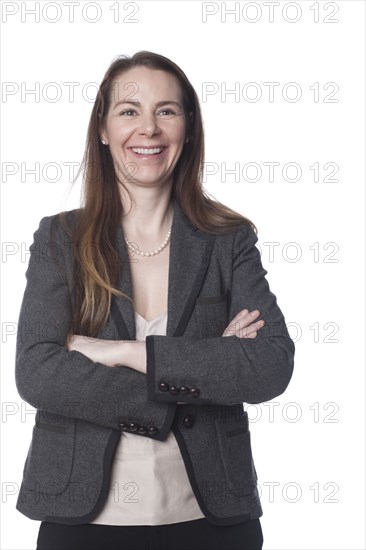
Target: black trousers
(198, 534)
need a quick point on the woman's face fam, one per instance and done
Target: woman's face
(145, 127)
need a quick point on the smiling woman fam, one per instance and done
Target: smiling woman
(159, 339)
(144, 130)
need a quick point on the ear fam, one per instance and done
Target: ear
(102, 132)
(103, 137)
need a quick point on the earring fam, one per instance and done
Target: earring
(103, 141)
(187, 140)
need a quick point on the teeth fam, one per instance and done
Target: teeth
(147, 151)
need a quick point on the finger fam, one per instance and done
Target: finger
(245, 322)
(249, 316)
(234, 329)
(243, 331)
(251, 330)
(241, 314)
(253, 314)
(245, 312)
(246, 332)
(238, 324)
(229, 332)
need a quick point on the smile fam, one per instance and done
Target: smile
(154, 151)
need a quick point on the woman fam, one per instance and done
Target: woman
(141, 440)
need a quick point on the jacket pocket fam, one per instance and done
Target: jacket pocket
(49, 461)
(212, 313)
(212, 299)
(236, 454)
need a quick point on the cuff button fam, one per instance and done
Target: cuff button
(123, 426)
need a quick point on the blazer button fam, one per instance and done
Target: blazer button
(188, 420)
(184, 390)
(132, 427)
(163, 386)
(152, 430)
(142, 430)
(173, 390)
(194, 392)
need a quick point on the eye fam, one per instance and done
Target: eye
(127, 112)
(168, 112)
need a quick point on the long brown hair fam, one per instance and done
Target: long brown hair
(96, 270)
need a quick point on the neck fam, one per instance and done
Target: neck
(147, 219)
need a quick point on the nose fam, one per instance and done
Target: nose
(148, 125)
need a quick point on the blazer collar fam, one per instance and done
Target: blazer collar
(190, 252)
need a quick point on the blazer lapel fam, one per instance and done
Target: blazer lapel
(190, 252)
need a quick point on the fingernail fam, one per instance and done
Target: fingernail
(254, 313)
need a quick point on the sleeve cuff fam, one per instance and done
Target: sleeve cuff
(163, 390)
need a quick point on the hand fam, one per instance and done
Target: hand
(243, 325)
(99, 351)
(111, 353)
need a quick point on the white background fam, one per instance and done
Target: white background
(311, 451)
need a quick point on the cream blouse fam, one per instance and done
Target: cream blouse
(149, 483)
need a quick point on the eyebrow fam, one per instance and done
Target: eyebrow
(159, 104)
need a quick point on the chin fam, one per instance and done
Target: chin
(150, 179)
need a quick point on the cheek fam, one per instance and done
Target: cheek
(178, 136)
(120, 131)
(176, 131)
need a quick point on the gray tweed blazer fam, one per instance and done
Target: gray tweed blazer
(83, 406)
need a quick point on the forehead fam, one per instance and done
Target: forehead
(142, 83)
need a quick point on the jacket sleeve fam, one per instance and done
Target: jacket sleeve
(67, 383)
(227, 370)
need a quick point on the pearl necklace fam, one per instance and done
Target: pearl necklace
(156, 251)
